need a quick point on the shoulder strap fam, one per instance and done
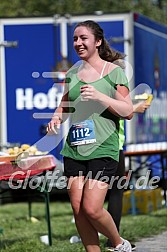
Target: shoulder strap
(102, 72)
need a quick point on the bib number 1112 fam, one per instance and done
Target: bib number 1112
(83, 132)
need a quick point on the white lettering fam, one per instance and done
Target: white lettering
(26, 99)
(40, 101)
(52, 94)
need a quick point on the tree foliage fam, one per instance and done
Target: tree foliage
(156, 10)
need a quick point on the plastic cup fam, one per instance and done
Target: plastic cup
(75, 239)
(44, 239)
(149, 99)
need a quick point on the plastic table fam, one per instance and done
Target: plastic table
(16, 170)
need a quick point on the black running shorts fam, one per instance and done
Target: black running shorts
(99, 169)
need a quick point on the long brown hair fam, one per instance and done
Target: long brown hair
(105, 51)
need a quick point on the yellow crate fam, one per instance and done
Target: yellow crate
(126, 207)
(144, 201)
(157, 198)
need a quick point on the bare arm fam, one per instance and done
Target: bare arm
(121, 105)
(58, 116)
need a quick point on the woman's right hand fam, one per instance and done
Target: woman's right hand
(54, 125)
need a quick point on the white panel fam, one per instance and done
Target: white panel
(22, 21)
(129, 51)
(3, 116)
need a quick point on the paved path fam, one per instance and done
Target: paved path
(156, 243)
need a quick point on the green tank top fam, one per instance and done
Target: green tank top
(106, 124)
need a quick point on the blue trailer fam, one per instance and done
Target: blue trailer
(150, 50)
(25, 90)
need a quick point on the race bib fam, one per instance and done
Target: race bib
(82, 133)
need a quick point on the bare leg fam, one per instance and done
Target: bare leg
(93, 201)
(90, 216)
(87, 232)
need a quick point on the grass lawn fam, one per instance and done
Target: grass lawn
(20, 234)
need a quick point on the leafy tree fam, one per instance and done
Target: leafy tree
(154, 9)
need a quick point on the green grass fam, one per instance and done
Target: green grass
(20, 234)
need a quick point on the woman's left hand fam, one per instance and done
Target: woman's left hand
(140, 107)
(88, 92)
